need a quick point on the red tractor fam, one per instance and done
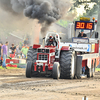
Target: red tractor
(64, 60)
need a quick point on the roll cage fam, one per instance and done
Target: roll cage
(55, 37)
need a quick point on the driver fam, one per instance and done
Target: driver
(50, 42)
(82, 34)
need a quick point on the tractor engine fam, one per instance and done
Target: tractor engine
(45, 59)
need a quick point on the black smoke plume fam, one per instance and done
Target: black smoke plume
(45, 11)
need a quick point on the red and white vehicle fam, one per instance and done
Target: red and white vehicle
(64, 60)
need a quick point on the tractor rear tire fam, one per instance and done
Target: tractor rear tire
(32, 57)
(67, 64)
(56, 71)
(29, 69)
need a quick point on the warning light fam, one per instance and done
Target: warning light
(84, 19)
(95, 21)
(93, 18)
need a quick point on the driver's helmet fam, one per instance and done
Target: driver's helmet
(50, 38)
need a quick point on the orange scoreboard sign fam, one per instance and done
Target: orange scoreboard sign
(84, 25)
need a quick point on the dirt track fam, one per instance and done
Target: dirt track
(15, 86)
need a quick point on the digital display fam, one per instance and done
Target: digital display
(84, 25)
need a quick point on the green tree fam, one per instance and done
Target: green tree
(86, 3)
(62, 23)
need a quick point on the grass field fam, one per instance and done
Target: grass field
(8, 68)
(16, 64)
(97, 69)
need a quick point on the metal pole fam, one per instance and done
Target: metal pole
(84, 97)
(75, 34)
(90, 33)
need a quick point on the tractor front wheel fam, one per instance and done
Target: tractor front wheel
(29, 69)
(56, 71)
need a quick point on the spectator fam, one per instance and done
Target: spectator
(26, 42)
(4, 54)
(13, 50)
(17, 51)
(24, 51)
(0, 54)
(0, 50)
